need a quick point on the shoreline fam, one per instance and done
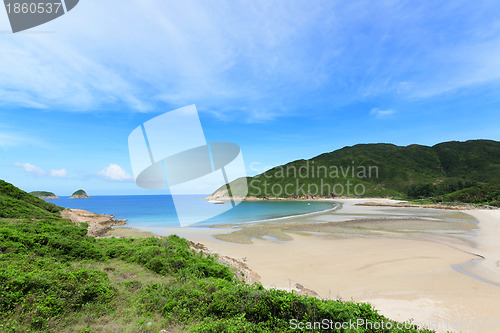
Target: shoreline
(382, 253)
(98, 224)
(405, 270)
(433, 206)
(390, 201)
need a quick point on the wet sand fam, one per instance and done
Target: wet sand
(409, 262)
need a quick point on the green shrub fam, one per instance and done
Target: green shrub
(171, 255)
(38, 289)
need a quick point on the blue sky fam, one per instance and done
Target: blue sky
(283, 79)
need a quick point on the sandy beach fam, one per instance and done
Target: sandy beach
(440, 268)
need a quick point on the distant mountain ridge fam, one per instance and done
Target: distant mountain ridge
(382, 170)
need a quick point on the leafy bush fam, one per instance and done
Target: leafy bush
(480, 194)
(48, 237)
(171, 255)
(33, 290)
(221, 306)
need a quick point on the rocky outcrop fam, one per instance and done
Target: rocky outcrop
(239, 267)
(80, 194)
(44, 195)
(222, 195)
(98, 224)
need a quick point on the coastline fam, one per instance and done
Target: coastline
(367, 201)
(408, 204)
(350, 253)
(98, 224)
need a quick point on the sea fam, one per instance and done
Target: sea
(158, 211)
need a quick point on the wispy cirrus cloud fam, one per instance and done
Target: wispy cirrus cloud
(381, 114)
(266, 61)
(8, 139)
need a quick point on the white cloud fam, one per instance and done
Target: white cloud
(263, 63)
(59, 173)
(39, 172)
(379, 114)
(115, 172)
(163, 52)
(31, 169)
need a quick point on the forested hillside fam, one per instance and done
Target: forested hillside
(447, 171)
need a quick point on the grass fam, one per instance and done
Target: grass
(123, 314)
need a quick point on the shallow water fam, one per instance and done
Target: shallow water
(157, 211)
(416, 223)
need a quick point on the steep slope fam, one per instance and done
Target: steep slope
(15, 203)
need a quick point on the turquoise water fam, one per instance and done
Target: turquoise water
(156, 211)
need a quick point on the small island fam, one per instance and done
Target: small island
(44, 195)
(80, 194)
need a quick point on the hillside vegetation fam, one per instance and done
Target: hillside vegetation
(80, 194)
(54, 278)
(44, 194)
(15, 203)
(446, 171)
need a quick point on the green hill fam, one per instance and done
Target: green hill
(15, 203)
(80, 194)
(382, 170)
(54, 278)
(44, 195)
